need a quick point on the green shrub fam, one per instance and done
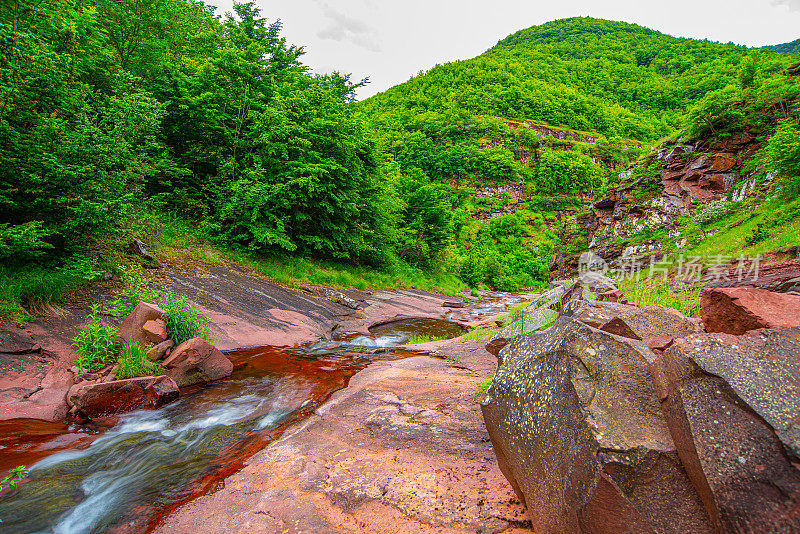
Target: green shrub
(97, 343)
(714, 211)
(133, 362)
(135, 289)
(183, 321)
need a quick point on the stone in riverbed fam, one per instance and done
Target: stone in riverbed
(740, 309)
(196, 361)
(118, 396)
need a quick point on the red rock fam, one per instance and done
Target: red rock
(723, 163)
(196, 361)
(660, 342)
(740, 309)
(131, 329)
(612, 295)
(155, 331)
(160, 351)
(118, 396)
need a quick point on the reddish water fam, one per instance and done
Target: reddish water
(126, 474)
(126, 478)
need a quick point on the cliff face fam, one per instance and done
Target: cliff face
(688, 176)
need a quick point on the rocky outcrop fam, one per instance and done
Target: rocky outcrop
(578, 431)
(620, 419)
(741, 309)
(118, 396)
(733, 408)
(690, 174)
(196, 361)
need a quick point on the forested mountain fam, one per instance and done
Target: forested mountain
(588, 74)
(115, 109)
(786, 48)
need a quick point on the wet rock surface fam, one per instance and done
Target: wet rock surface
(402, 449)
(118, 396)
(196, 361)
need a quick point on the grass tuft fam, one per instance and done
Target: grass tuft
(480, 334)
(655, 292)
(133, 362)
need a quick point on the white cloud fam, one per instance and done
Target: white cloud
(343, 28)
(793, 5)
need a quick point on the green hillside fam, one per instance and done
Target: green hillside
(588, 74)
(119, 115)
(786, 48)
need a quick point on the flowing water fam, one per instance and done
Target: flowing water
(125, 474)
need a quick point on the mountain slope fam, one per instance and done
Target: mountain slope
(588, 74)
(786, 48)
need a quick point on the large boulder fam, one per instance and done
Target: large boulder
(651, 322)
(197, 361)
(578, 431)
(118, 396)
(132, 328)
(733, 409)
(737, 310)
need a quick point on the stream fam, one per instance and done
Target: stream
(127, 473)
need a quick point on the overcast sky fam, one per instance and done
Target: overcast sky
(391, 40)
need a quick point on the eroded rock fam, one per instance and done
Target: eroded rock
(578, 431)
(740, 309)
(132, 328)
(118, 396)
(196, 361)
(732, 407)
(651, 322)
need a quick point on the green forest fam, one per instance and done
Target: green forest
(117, 112)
